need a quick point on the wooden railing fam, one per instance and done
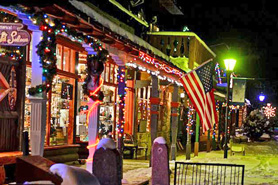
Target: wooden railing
(181, 44)
(171, 45)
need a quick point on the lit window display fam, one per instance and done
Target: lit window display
(61, 109)
(107, 119)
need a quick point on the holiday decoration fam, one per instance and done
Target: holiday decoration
(218, 73)
(256, 124)
(155, 73)
(46, 49)
(269, 111)
(159, 65)
(95, 66)
(122, 94)
(190, 120)
(14, 55)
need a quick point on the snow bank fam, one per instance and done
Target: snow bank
(160, 140)
(106, 143)
(73, 175)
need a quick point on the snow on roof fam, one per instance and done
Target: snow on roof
(115, 28)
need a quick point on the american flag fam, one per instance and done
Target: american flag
(199, 87)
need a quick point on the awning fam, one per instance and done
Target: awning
(115, 28)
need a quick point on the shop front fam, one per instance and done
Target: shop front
(14, 39)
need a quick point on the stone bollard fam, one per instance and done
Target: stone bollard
(160, 162)
(107, 163)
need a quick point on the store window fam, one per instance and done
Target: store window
(61, 110)
(143, 116)
(108, 112)
(65, 57)
(61, 100)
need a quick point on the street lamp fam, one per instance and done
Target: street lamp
(229, 64)
(261, 97)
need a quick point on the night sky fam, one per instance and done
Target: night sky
(250, 29)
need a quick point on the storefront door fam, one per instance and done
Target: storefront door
(9, 105)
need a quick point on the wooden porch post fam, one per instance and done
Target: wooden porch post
(121, 93)
(196, 145)
(174, 123)
(208, 141)
(154, 107)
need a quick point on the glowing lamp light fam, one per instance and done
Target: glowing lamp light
(230, 64)
(182, 95)
(262, 97)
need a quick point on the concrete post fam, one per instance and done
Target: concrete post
(107, 163)
(160, 162)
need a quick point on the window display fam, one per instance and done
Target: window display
(107, 119)
(61, 101)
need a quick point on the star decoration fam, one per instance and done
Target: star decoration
(269, 111)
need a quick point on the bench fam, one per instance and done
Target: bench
(7, 158)
(35, 168)
(62, 153)
(131, 145)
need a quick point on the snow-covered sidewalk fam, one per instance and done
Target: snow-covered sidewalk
(261, 161)
(136, 172)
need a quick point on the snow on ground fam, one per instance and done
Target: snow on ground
(261, 164)
(261, 161)
(136, 171)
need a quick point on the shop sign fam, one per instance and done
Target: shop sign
(11, 34)
(239, 87)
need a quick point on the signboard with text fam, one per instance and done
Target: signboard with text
(11, 34)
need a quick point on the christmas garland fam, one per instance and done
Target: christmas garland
(46, 49)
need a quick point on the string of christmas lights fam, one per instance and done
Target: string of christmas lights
(158, 65)
(50, 27)
(218, 73)
(96, 103)
(155, 73)
(122, 96)
(190, 120)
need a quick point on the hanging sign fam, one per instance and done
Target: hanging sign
(11, 34)
(239, 87)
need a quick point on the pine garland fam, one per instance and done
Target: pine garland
(46, 49)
